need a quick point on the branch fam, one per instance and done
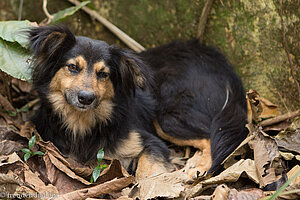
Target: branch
(120, 34)
(203, 19)
(50, 17)
(280, 118)
(20, 10)
(292, 67)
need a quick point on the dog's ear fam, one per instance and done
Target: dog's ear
(48, 41)
(132, 72)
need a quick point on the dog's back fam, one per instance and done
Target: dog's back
(199, 97)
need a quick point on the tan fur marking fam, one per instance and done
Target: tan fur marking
(201, 144)
(81, 122)
(132, 146)
(201, 161)
(101, 67)
(148, 166)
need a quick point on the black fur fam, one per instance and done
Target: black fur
(134, 104)
(192, 84)
(197, 95)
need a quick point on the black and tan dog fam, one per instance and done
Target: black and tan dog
(94, 96)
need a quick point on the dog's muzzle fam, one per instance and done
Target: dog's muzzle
(81, 99)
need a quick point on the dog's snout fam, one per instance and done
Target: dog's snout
(85, 97)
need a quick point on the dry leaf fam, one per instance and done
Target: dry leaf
(168, 185)
(292, 172)
(8, 147)
(267, 159)
(289, 141)
(242, 150)
(60, 166)
(104, 188)
(233, 173)
(221, 192)
(292, 192)
(248, 194)
(8, 184)
(260, 108)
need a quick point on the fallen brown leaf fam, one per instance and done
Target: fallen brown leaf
(8, 184)
(169, 185)
(289, 141)
(267, 159)
(292, 172)
(104, 188)
(221, 192)
(247, 194)
(292, 192)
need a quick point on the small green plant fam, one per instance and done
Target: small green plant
(99, 168)
(14, 113)
(28, 151)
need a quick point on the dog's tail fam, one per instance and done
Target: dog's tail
(227, 129)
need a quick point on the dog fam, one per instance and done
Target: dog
(94, 95)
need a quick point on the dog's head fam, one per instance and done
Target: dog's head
(82, 76)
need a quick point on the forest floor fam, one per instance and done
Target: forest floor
(31, 168)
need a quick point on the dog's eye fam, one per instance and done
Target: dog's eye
(73, 68)
(102, 75)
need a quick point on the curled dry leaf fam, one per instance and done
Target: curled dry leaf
(104, 188)
(233, 173)
(267, 159)
(8, 184)
(289, 141)
(168, 185)
(260, 108)
(30, 181)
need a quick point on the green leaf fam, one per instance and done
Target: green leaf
(91, 180)
(63, 14)
(100, 155)
(96, 173)
(11, 113)
(27, 156)
(40, 153)
(25, 109)
(103, 166)
(31, 142)
(15, 31)
(15, 60)
(25, 150)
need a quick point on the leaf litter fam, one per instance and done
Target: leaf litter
(262, 163)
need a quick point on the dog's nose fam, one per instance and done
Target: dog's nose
(85, 97)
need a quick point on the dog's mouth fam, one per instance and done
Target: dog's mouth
(81, 100)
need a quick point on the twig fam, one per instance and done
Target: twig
(20, 10)
(292, 67)
(50, 17)
(30, 104)
(203, 19)
(280, 118)
(120, 34)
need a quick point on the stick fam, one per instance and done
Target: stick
(280, 118)
(203, 19)
(120, 34)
